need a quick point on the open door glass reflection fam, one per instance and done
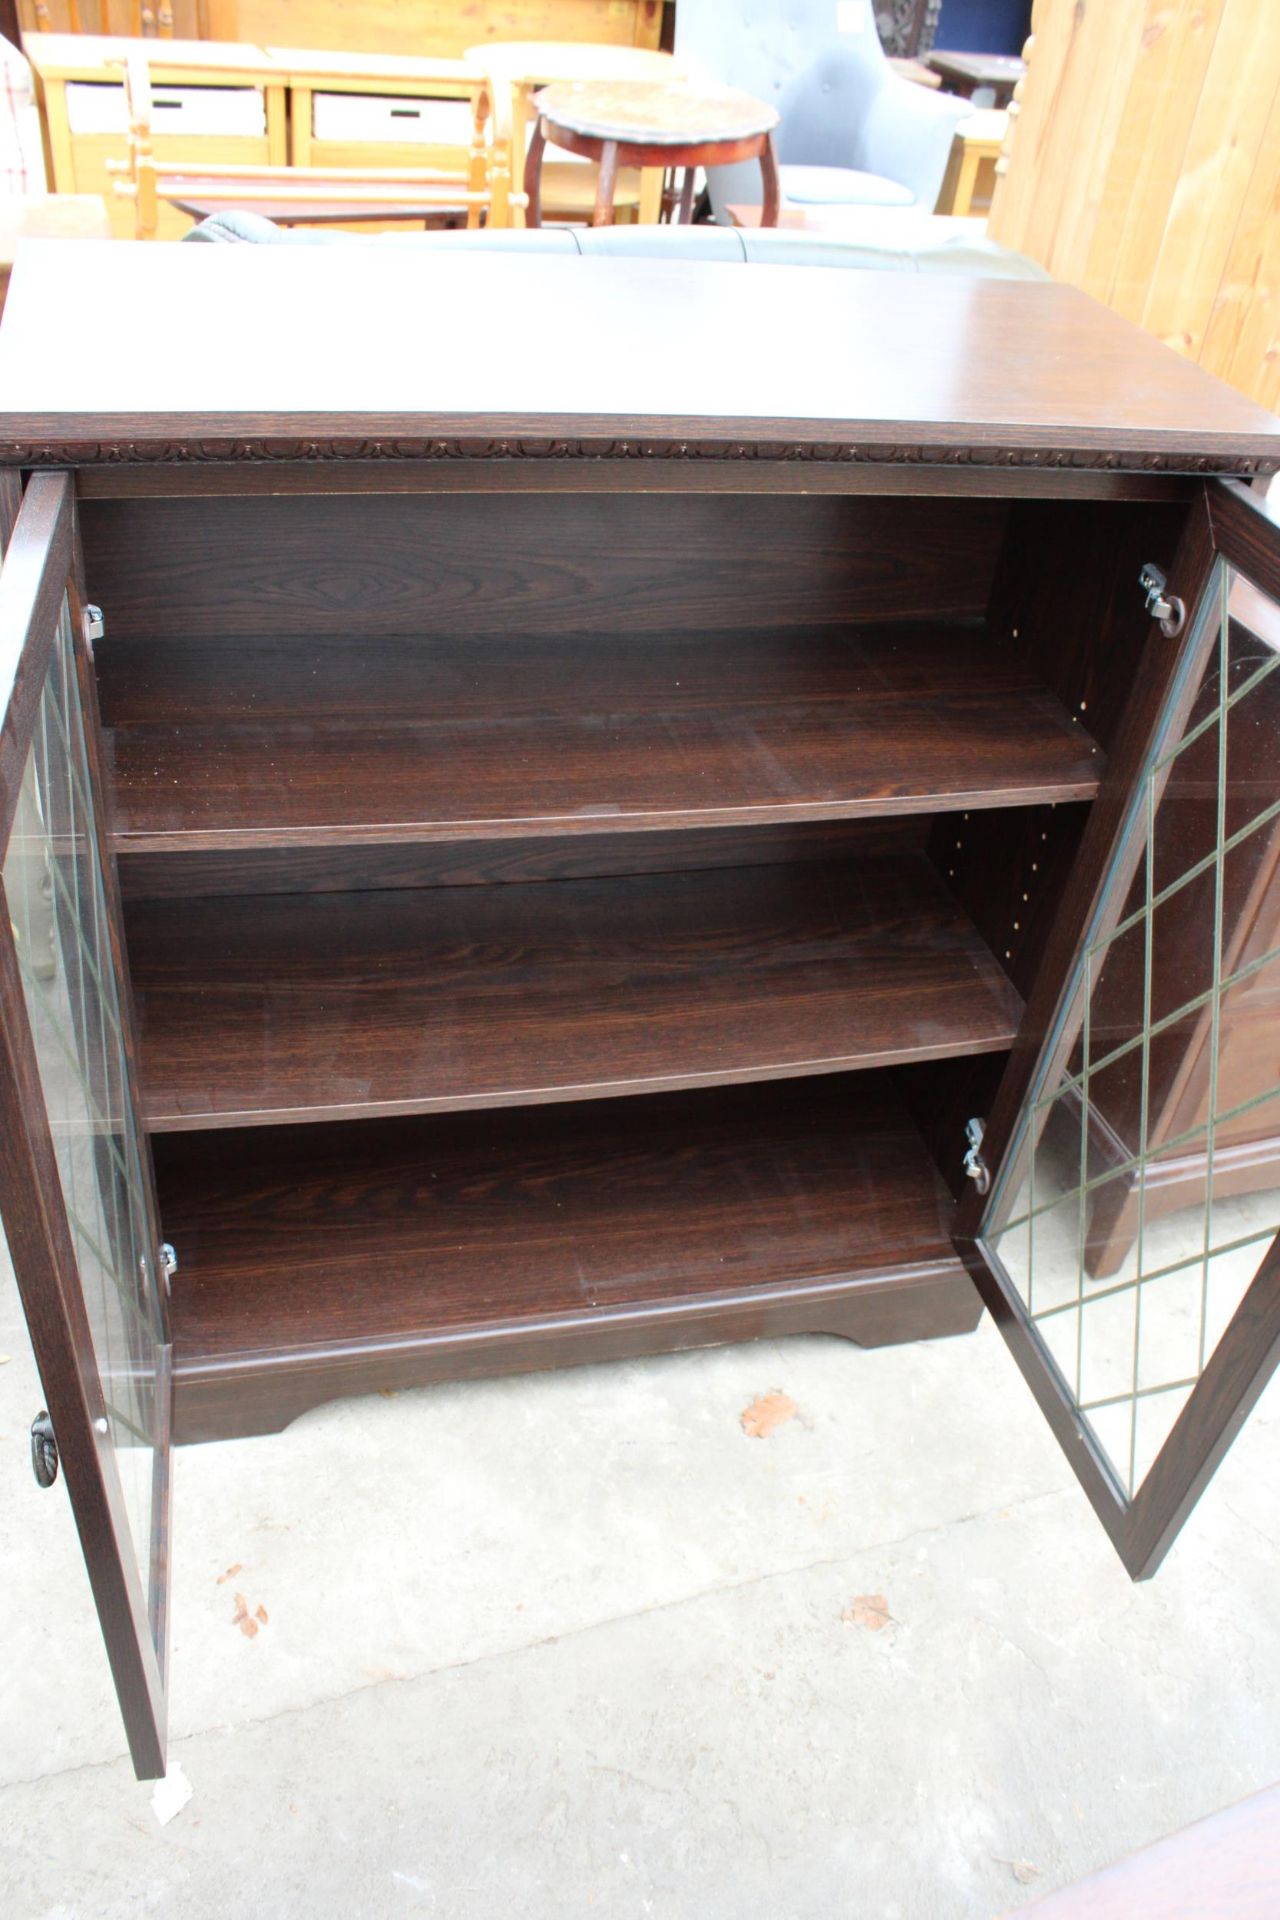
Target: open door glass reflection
(54, 886)
(1141, 1196)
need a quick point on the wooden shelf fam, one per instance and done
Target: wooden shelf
(238, 743)
(348, 1257)
(277, 1008)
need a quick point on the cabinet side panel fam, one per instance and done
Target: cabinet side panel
(1066, 595)
(1066, 598)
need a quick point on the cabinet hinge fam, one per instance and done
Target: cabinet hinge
(44, 1450)
(975, 1166)
(1166, 608)
(94, 626)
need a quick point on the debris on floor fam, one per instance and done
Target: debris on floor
(170, 1795)
(869, 1610)
(1022, 1870)
(247, 1622)
(767, 1413)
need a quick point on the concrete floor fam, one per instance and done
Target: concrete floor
(573, 1644)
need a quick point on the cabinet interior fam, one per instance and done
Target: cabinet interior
(569, 924)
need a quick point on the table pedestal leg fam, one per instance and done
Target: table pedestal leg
(684, 213)
(769, 174)
(602, 215)
(533, 175)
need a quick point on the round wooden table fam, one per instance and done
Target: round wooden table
(640, 123)
(526, 65)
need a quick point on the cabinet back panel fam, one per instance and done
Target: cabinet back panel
(155, 876)
(1008, 868)
(470, 565)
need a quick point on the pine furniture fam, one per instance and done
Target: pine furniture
(480, 188)
(224, 111)
(221, 104)
(969, 181)
(1172, 222)
(517, 860)
(353, 26)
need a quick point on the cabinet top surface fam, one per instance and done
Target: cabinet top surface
(161, 352)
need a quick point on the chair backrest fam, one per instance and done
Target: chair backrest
(829, 108)
(772, 49)
(821, 64)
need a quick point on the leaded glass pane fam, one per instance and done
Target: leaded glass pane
(1142, 1191)
(54, 885)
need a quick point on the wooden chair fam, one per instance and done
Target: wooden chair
(329, 193)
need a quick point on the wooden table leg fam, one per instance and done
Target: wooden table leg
(520, 96)
(649, 212)
(970, 160)
(769, 174)
(533, 175)
(684, 213)
(602, 215)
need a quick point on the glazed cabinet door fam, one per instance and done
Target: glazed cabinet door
(76, 1190)
(1128, 1242)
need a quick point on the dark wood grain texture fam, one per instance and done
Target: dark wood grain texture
(1066, 598)
(1008, 868)
(1156, 674)
(232, 744)
(941, 1096)
(272, 1008)
(978, 369)
(343, 1258)
(1066, 601)
(502, 473)
(484, 863)
(355, 567)
(498, 730)
(1248, 533)
(10, 501)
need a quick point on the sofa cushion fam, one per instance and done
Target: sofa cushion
(877, 239)
(841, 187)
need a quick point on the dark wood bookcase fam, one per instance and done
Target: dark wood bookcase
(532, 874)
